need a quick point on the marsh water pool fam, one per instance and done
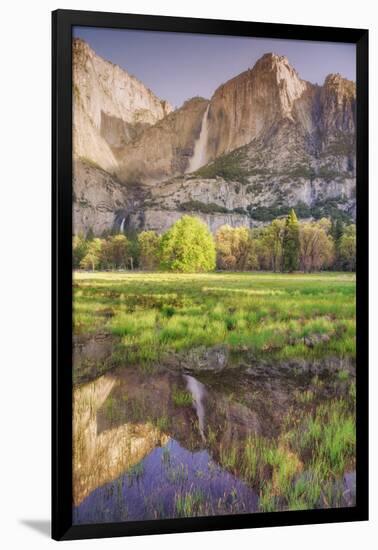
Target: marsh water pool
(249, 436)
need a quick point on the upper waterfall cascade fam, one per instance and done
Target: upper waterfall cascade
(199, 157)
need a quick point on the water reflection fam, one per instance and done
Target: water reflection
(139, 453)
(198, 392)
(170, 482)
(101, 455)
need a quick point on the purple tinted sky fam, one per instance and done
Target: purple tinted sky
(179, 66)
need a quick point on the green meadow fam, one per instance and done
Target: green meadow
(152, 315)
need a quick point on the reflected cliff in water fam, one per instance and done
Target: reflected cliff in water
(169, 443)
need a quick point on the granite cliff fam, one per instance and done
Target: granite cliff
(110, 107)
(265, 141)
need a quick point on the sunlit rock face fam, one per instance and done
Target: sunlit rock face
(255, 104)
(265, 139)
(247, 106)
(338, 101)
(111, 107)
(119, 419)
(165, 149)
(100, 456)
(273, 140)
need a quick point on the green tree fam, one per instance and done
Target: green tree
(187, 246)
(261, 251)
(347, 248)
(148, 242)
(337, 231)
(133, 252)
(290, 243)
(79, 249)
(92, 258)
(272, 243)
(119, 251)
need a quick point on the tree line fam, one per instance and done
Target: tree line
(285, 245)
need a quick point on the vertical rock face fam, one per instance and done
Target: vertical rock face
(269, 106)
(338, 105)
(253, 106)
(247, 107)
(110, 106)
(165, 149)
(98, 198)
(265, 140)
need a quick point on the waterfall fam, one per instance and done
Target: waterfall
(199, 157)
(198, 392)
(122, 226)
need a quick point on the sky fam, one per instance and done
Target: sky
(178, 66)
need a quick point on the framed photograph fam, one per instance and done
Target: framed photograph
(210, 253)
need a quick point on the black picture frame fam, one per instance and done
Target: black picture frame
(62, 23)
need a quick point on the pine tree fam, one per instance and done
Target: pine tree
(290, 243)
(337, 231)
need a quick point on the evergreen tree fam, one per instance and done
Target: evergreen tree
(347, 249)
(337, 234)
(290, 243)
(338, 230)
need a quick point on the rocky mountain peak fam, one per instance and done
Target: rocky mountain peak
(338, 99)
(265, 140)
(78, 44)
(249, 105)
(81, 49)
(340, 86)
(279, 67)
(129, 95)
(271, 61)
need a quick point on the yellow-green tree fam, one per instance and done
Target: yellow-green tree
(79, 249)
(119, 255)
(290, 243)
(187, 247)
(92, 258)
(271, 244)
(148, 242)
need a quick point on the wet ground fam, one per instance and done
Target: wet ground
(166, 443)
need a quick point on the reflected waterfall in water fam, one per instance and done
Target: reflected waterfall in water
(198, 392)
